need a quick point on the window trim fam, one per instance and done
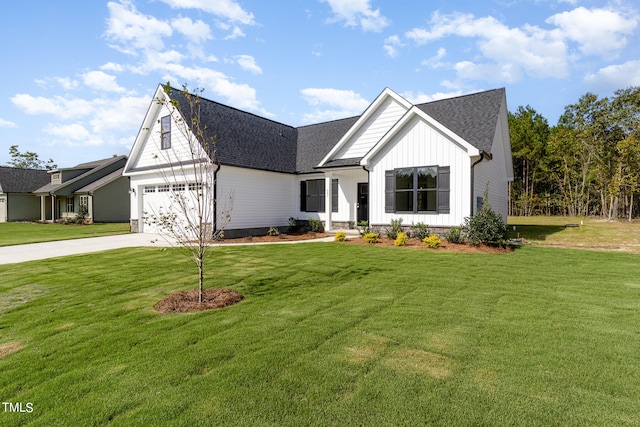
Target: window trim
(70, 205)
(441, 189)
(165, 133)
(320, 195)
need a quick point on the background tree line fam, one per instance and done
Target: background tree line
(588, 164)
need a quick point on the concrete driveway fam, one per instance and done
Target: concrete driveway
(35, 251)
(60, 248)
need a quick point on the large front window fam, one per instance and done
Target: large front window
(70, 204)
(423, 189)
(312, 195)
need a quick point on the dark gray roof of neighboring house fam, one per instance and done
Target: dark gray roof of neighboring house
(16, 180)
(90, 168)
(244, 139)
(99, 183)
(247, 140)
(472, 117)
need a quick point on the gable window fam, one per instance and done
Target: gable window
(165, 132)
(70, 204)
(312, 195)
(423, 189)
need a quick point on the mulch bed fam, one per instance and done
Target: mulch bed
(444, 246)
(282, 237)
(187, 301)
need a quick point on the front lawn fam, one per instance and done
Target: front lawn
(328, 334)
(19, 233)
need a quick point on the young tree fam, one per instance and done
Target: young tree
(195, 217)
(28, 160)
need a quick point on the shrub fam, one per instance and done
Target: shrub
(420, 231)
(294, 225)
(364, 228)
(396, 227)
(432, 241)
(340, 236)
(273, 231)
(371, 237)
(486, 227)
(401, 239)
(455, 235)
(315, 225)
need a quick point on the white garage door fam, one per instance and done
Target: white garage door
(156, 202)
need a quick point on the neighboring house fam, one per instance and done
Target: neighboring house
(16, 198)
(97, 186)
(427, 163)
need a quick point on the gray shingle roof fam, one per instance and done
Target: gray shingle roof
(15, 180)
(473, 117)
(88, 169)
(99, 183)
(247, 140)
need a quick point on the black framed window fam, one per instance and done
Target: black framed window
(423, 189)
(312, 195)
(165, 132)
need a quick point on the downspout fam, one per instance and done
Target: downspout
(215, 200)
(482, 154)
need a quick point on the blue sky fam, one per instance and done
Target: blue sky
(79, 75)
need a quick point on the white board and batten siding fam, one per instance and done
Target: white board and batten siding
(419, 144)
(259, 198)
(383, 118)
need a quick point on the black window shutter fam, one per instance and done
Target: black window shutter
(334, 195)
(303, 196)
(443, 189)
(321, 195)
(389, 191)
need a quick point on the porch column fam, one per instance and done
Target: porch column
(90, 206)
(43, 208)
(328, 180)
(53, 208)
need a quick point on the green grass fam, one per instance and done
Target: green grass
(19, 233)
(328, 334)
(590, 233)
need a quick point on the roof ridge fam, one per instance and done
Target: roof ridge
(460, 96)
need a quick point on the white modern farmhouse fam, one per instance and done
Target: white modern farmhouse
(428, 163)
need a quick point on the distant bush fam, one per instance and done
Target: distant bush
(340, 236)
(315, 225)
(455, 235)
(394, 229)
(371, 237)
(401, 239)
(432, 241)
(420, 231)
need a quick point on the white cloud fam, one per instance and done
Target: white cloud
(616, 76)
(74, 134)
(422, 98)
(196, 32)
(597, 31)
(235, 34)
(340, 103)
(102, 81)
(7, 124)
(131, 31)
(112, 66)
(436, 61)
(226, 9)
(58, 106)
(248, 62)
(357, 12)
(391, 45)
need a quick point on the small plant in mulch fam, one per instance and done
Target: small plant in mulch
(432, 242)
(371, 238)
(187, 301)
(401, 239)
(340, 236)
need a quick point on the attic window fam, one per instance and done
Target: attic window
(165, 132)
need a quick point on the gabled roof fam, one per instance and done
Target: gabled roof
(98, 165)
(97, 184)
(246, 140)
(473, 117)
(16, 180)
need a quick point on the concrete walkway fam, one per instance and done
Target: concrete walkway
(60, 248)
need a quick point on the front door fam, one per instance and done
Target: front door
(363, 202)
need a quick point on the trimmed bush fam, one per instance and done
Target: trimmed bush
(371, 237)
(432, 241)
(315, 225)
(396, 227)
(455, 235)
(402, 239)
(486, 227)
(420, 231)
(340, 236)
